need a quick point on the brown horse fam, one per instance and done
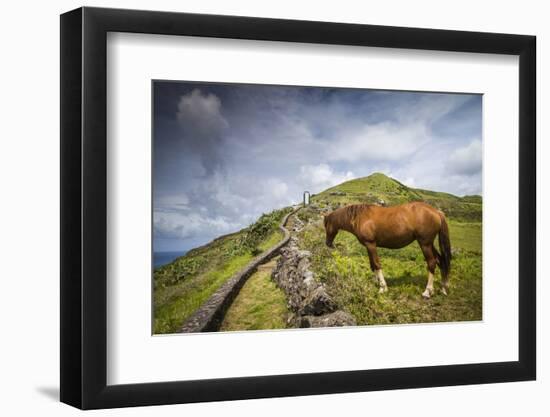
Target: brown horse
(394, 228)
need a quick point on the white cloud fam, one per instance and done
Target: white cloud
(431, 107)
(321, 176)
(279, 189)
(202, 127)
(178, 225)
(220, 204)
(466, 160)
(178, 201)
(201, 112)
(379, 142)
(409, 182)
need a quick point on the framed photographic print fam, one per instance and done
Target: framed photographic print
(258, 207)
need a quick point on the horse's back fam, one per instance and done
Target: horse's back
(426, 218)
(414, 220)
(414, 212)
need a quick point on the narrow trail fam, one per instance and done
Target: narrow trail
(259, 305)
(210, 316)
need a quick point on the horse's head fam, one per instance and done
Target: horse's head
(331, 230)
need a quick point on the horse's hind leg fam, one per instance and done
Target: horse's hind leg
(444, 284)
(431, 261)
(444, 277)
(376, 266)
(437, 254)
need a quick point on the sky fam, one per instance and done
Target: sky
(226, 153)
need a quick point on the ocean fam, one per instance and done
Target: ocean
(163, 258)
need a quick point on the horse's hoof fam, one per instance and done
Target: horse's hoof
(426, 295)
(444, 291)
(382, 290)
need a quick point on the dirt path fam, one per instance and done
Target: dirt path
(260, 304)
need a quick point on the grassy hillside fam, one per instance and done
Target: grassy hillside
(346, 271)
(183, 285)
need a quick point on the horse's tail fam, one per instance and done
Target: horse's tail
(444, 247)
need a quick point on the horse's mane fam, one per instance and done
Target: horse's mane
(354, 210)
(348, 214)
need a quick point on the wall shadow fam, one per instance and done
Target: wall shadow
(50, 392)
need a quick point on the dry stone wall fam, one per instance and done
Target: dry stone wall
(308, 300)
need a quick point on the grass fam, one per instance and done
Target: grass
(190, 294)
(181, 287)
(347, 275)
(260, 305)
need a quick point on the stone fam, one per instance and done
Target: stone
(308, 300)
(318, 302)
(336, 319)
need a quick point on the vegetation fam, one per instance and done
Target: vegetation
(260, 305)
(347, 275)
(183, 285)
(346, 270)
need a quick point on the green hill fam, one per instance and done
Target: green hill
(378, 188)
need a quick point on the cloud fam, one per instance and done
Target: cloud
(202, 124)
(321, 176)
(409, 182)
(379, 142)
(178, 201)
(219, 204)
(177, 225)
(468, 185)
(279, 189)
(201, 112)
(466, 160)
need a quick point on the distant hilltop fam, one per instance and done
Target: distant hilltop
(380, 189)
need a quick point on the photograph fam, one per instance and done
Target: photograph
(281, 207)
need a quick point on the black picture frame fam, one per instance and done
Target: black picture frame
(84, 207)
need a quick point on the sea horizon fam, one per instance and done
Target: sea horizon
(166, 257)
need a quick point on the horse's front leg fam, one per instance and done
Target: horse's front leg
(376, 266)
